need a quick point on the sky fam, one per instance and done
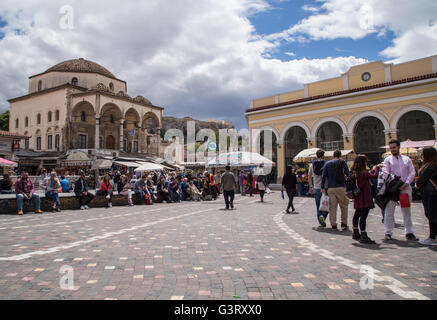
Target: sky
(209, 58)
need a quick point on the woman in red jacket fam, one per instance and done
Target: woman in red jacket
(364, 201)
(106, 189)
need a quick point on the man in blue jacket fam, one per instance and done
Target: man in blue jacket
(336, 172)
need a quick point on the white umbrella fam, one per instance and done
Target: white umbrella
(243, 159)
(149, 166)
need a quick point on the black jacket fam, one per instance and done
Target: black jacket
(389, 191)
(424, 183)
(289, 182)
(78, 186)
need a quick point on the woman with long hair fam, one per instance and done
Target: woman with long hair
(427, 185)
(106, 188)
(290, 183)
(261, 183)
(125, 188)
(363, 202)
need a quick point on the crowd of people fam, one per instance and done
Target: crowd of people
(150, 187)
(388, 184)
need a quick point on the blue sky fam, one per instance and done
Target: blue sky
(285, 14)
(209, 58)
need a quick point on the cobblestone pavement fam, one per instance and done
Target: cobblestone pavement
(200, 251)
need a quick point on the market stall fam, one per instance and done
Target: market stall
(7, 164)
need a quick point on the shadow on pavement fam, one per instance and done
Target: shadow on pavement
(404, 243)
(347, 233)
(376, 246)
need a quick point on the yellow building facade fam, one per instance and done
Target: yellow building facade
(360, 110)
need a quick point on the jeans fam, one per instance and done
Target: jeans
(54, 196)
(430, 206)
(300, 188)
(178, 192)
(290, 194)
(20, 199)
(229, 198)
(84, 200)
(317, 197)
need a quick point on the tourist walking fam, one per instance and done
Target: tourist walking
(315, 184)
(335, 171)
(51, 185)
(261, 183)
(427, 185)
(363, 202)
(81, 190)
(229, 183)
(401, 166)
(289, 182)
(250, 182)
(24, 190)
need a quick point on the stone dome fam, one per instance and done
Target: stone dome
(81, 65)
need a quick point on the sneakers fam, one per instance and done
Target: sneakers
(322, 221)
(365, 239)
(344, 227)
(334, 228)
(86, 207)
(20, 213)
(38, 211)
(388, 237)
(82, 207)
(57, 209)
(108, 197)
(411, 237)
(428, 242)
(109, 205)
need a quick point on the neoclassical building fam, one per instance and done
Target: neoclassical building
(360, 110)
(78, 104)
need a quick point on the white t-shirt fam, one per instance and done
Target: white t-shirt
(317, 180)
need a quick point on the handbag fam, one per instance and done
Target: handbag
(324, 203)
(261, 186)
(352, 189)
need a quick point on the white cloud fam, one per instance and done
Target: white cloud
(195, 58)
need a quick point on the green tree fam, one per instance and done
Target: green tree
(4, 121)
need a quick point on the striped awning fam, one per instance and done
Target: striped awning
(410, 152)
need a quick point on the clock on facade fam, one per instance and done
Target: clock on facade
(366, 76)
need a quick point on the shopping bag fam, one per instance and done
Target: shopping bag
(282, 194)
(324, 203)
(404, 199)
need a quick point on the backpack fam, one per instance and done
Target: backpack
(318, 167)
(352, 189)
(339, 171)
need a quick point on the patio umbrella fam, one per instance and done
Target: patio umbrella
(149, 166)
(7, 163)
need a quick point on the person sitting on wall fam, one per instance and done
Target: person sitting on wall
(81, 191)
(24, 190)
(162, 189)
(51, 185)
(6, 184)
(106, 189)
(124, 188)
(141, 189)
(65, 185)
(175, 190)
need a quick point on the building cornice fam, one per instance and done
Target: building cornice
(38, 93)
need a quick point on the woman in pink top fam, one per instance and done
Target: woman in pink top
(106, 189)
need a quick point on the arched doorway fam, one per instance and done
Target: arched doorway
(330, 137)
(269, 154)
(110, 121)
(83, 129)
(416, 126)
(151, 129)
(295, 141)
(131, 130)
(369, 137)
(110, 142)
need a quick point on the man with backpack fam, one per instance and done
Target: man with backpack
(316, 172)
(336, 172)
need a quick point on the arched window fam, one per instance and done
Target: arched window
(83, 116)
(38, 118)
(57, 115)
(74, 81)
(111, 87)
(49, 116)
(17, 122)
(39, 85)
(26, 122)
